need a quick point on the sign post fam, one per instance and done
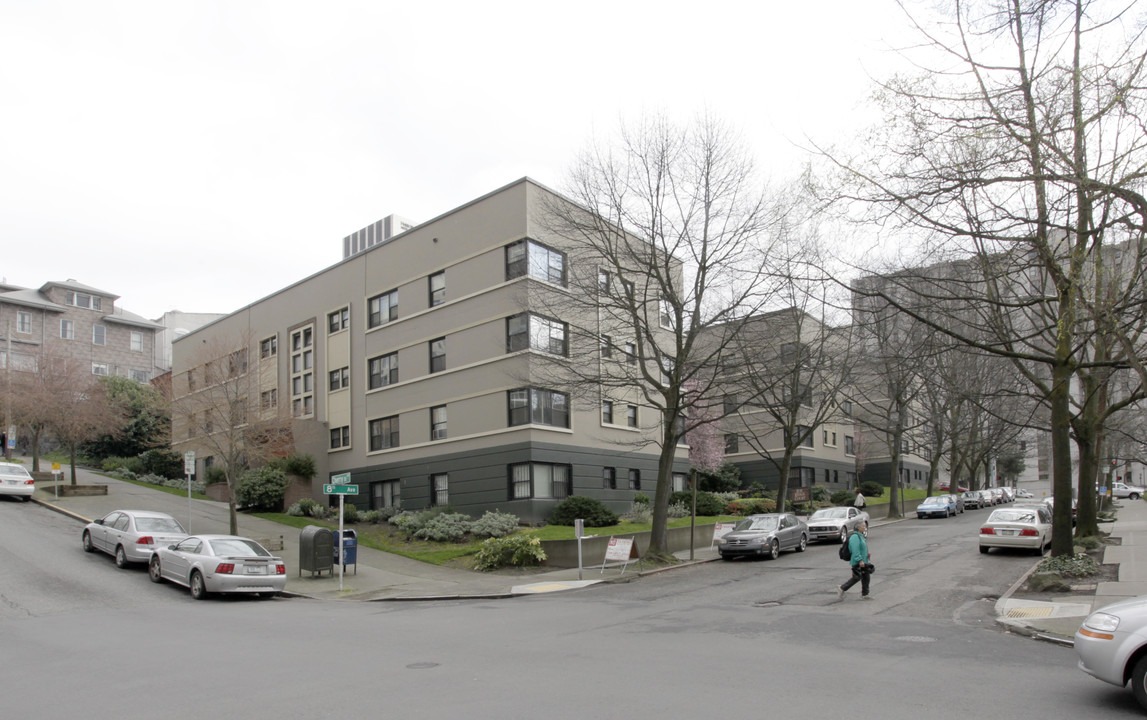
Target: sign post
(56, 473)
(338, 486)
(189, 470)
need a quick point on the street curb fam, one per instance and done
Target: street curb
(60, 510)
(1018, 627)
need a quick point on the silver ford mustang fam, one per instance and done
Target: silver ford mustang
(219, 564)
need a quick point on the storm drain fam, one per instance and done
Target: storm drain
(766, 603)
(1030, 612)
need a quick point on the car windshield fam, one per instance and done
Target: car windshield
(237, 547)
(935, 501)
(761, 523)
(157, 524)
(1013, 515)
(829, 513)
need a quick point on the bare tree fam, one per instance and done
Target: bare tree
(671, 238)
(221, 411)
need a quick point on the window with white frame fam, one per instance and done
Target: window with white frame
(437, 283)
(340, 437)
(536, 332)
(385, 494)
(666, 316)
(680, 482)
(382, 309)
(338, 320)
(631, 353)
(540, 480)
(528, 257)
(631, 416)
(269, 347)
(99, 335)
(440, 489)
(606, 346)
(302, 374)
(438, 422)
(23, 322)
(607, 412)
(67, 330)
(603, 281)
(339, 379)
(139, 376)
(539, 407)
(136, 342)
(437, 354)
(849, 445)
(82, 300)
(269, 399)
(99, 368)
(384, 433)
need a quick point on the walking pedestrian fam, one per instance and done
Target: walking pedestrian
(860, 502)
(861, 563)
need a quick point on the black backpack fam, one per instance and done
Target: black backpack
(845, 553)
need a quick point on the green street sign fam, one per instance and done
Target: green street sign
(340, 489)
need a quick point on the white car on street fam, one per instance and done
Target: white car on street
(1111, 644)
(1131, 492)
(15, 480)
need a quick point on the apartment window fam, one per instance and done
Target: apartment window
(631, 353)
(191, 379)
(540, 480)
(802, 477)
(607, 412)
(302, 377)
(302, 339)
(631, 416)
(537, 333)
(846, 408)
(824, 437)
(385, 494)
(827, 475)
(23, 322)
(680, 482)
(804, 436)
(634, 479)
(527, 256)
(850, 479)
(384, 433)
(382, 309)
(99, 368)
(849, 447)
(340, 437)
(437, 283)
(440, 490)
(438, 422)
(269, 399)
(99, 335)
(666, 316)
(603, 281)
(339, 320)
(438, 355)
(139, 376)
(382, 370)
(340, 379)
(834, 439)
(237, 363)
(609, 478)
(627, 287)
(136, 342)
(731, 443)
(269, 347)
(82, 300)
(67, 330)
(539, 407)
(606, 346)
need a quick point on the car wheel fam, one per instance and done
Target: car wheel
(726, 557)
(26, 498)
(153, 570)
(87, 540)
(1133, 496)
(1139, 681)
(803, 543)
(198, 588)
(983, 550)
(843, 535)
(774, 549)
(120, 557)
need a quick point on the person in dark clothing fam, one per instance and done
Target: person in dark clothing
(861, 559)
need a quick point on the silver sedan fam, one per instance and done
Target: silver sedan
(131, 535)
(835, 523)
(219, 564)
(764, 536)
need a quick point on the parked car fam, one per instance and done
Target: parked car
(1131, 492)
(764, 535)
(937, 505)
(131, 535)
(1024, 494)
(15, 480)
(1110, 645)
(958, 498)
(945, 487)
(1022, 526)
(1050, 502)
(1009, 493)
(997, 496)
(987, 499)
(972, 499)
(835, 523)
(219, 564)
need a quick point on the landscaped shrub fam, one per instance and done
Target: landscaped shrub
(262, 489)
(350, 512)
(410, 521)
(445, 527)
(386, 513)
(819, 494)
(871, 489)
(123, 473)
(515, 550)
(296, 510)
(727, 478)
(638, 513)
(750, 506)
(756, 490)
(299, 464)
(494, 524)
(132, 464)
(309, 506)
(373, 517)
(215, 474)
(591, 510)
(167, 463)
(641, 499)
(1078, 565)
(678, 510)
(708, 504)
(843, 497)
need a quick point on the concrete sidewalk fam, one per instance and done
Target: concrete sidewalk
(376, 576)
(1058, 620)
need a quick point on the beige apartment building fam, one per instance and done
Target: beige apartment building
(72, 321)
(424, 366)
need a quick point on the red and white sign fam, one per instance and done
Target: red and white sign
(619, 549)
(720, 530)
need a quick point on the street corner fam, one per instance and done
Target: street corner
(1051, 621)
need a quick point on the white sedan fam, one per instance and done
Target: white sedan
(15, 480)
(1111, 644)
(1018, 526)
(130, 536)
(219, 564)
(1131, 492)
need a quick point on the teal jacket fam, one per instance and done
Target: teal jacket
(858, 546)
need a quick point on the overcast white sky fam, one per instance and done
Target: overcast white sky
(200, 155)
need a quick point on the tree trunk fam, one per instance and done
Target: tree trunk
(1061, 539)
(659, 532)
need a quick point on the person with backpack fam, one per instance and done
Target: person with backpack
(859, 560)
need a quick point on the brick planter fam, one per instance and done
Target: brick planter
(68, 490)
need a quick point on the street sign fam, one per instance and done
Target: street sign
(340, 489)
(189, 462)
